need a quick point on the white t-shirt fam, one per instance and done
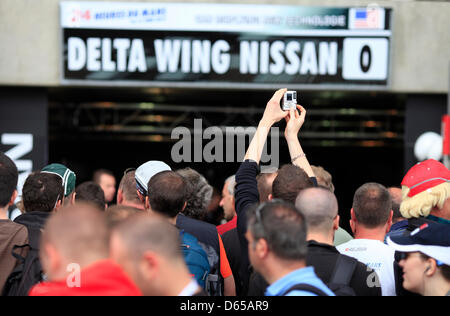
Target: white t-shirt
(375, 255)
(13, 214)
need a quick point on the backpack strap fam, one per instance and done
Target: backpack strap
(307, 288)
(16, 255)
(343, 270)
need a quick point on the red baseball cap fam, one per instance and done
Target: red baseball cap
(425, 175)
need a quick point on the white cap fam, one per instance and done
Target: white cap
(146, 171)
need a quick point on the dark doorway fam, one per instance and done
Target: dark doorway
(357, 137)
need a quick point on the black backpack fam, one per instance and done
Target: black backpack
(339, 282)
(307, 288)
(28, 271)
(342, 274)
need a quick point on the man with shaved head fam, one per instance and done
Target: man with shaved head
(148, 249)
(74, 256)
(324, 179)
(320, 208)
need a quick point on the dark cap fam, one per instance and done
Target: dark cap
(431, 239)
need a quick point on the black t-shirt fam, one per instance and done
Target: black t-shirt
(233, 249)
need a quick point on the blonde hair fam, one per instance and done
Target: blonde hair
(323, 177)
(423, 203)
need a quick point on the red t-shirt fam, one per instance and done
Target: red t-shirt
(103, 278)
(222, 229)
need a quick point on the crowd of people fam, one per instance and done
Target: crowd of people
(280, 235)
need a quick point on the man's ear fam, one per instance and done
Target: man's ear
(352, 214)
(184, 207)
(353, 221)
(141, 197)
(13, 198)
(262, 248)
(72, 198)
(147, 203)
(270, 197)
(150, 264)
(336, 223)
(389, 222)
(119, 196)
(58, 205)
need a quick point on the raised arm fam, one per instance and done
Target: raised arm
(295, 121)
(246, 190)
(272, 114)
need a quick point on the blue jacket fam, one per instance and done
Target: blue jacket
(301, 276)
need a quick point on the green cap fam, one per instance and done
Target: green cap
(68, 176)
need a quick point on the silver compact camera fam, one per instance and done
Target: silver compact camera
(289, 101)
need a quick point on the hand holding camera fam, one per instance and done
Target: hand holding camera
(295, 119)
(283, 104)
(273, 112)
(289, 100)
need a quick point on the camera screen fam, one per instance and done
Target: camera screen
(289, 97)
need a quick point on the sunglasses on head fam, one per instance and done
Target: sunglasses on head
(128, 170)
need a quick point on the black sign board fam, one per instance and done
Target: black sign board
(356, 54)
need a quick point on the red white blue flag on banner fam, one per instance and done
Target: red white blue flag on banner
(366, 18)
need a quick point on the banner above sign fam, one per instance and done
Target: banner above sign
(218, 45)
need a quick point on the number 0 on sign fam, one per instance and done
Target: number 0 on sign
(365, 59)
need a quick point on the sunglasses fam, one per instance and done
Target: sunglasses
(259, 217)
(400, 255)
(258, 213)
